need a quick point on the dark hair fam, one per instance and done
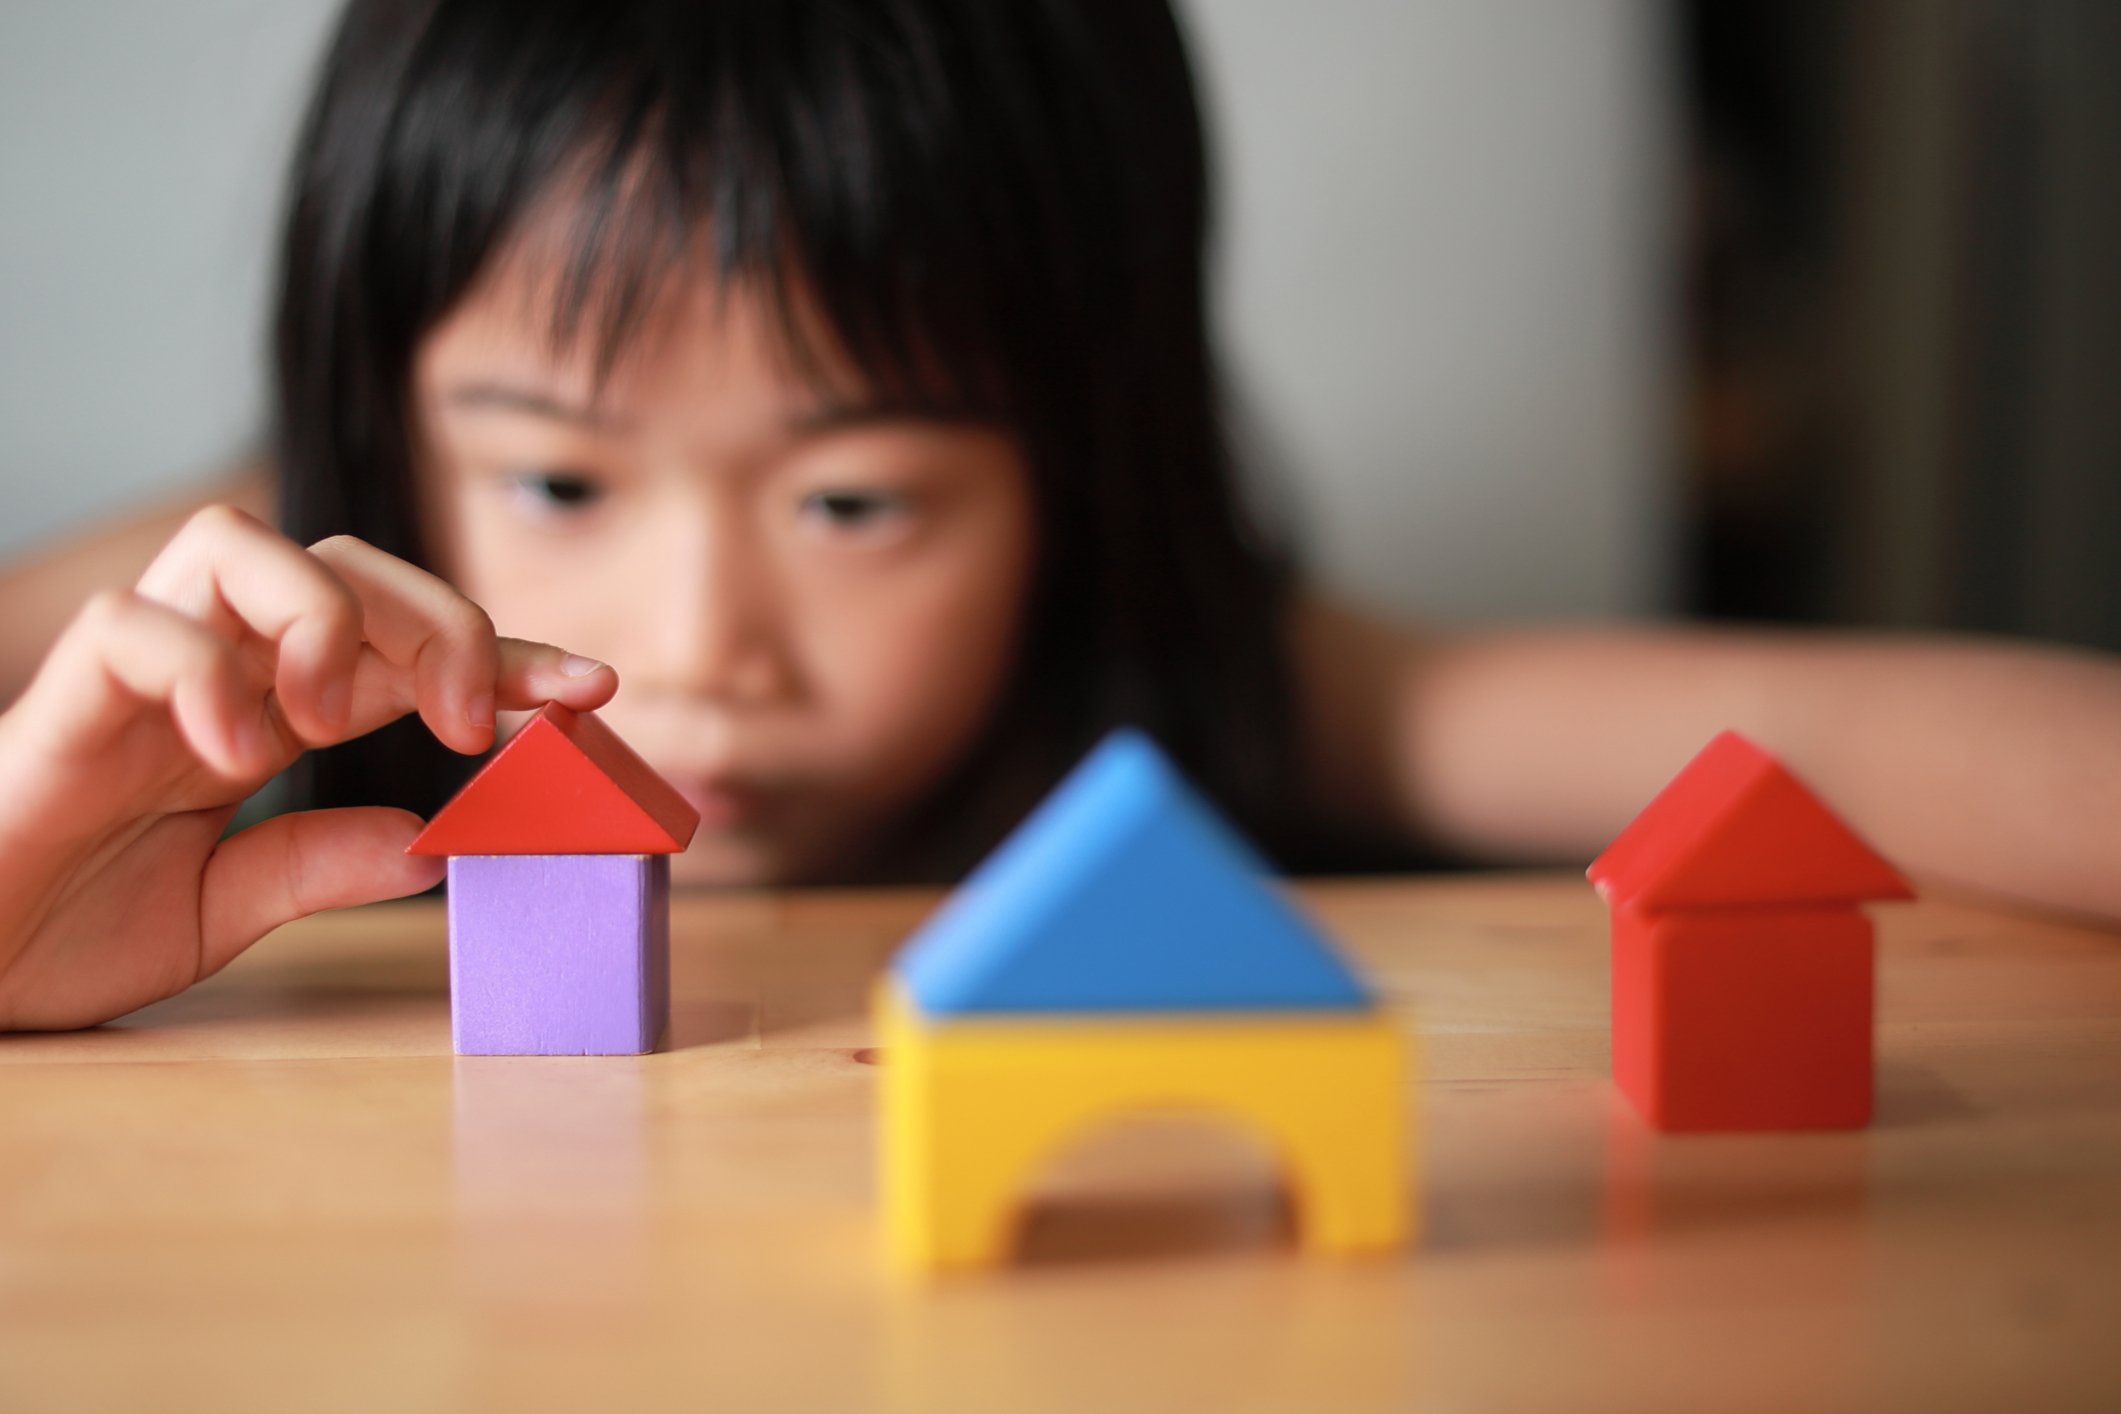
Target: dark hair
(1009, 200)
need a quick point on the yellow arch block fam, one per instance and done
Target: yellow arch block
(973, 1108)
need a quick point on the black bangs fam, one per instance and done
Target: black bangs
(808, 154)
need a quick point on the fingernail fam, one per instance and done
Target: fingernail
(480, 710)
(574, 665)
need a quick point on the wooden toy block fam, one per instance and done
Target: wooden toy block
(1743, 970)
(564, 784)
(559, 893)
(1733, 828)
(1123, 951)
(1123, 891)
(559, 955)
(1744, 1018)
(973, 1108)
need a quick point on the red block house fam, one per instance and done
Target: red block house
(559, 893)
(1742, 962)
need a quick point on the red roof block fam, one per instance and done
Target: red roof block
(565, 784)
(1733, 829)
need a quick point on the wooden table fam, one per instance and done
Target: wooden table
(281, 1191)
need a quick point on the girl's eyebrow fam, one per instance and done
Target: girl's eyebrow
(537, 402)
(834, 416)
(841, 416)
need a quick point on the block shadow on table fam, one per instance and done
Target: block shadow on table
(1916, 1097)
(1153, 1187)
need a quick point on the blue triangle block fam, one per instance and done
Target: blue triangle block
(1123, 891)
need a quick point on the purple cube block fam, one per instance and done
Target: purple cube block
(559, 954)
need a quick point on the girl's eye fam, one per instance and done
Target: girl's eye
(555, 493)
(855, 510)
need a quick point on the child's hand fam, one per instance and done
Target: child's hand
(160, 710)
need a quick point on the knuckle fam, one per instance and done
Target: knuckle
(105, 608)
(333, 601)
(345, 616)
(470, 623)
(332, 545)
(219, 520)
(294, 870)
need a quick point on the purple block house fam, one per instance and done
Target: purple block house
(559, 894)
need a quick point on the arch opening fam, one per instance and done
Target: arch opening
(1157, 1182)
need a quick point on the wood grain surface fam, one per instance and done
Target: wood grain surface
(280, 1191)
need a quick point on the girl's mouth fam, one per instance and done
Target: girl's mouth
(723, 804)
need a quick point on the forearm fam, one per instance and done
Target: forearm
(1980, 764)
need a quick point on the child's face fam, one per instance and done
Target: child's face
(812, 602)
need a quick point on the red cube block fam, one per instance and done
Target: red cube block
(1744, 1018)
(1742, 968)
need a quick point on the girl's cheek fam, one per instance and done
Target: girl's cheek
(920, 655)
(568, 589)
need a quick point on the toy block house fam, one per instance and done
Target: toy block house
(559, 893)
(1742, 963)
(1123, 951)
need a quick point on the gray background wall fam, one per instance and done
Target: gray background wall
(1447, 226)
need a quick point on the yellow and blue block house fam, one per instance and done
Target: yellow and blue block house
(1125, 951)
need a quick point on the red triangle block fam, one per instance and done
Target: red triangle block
(1733, 829)
(565, 784)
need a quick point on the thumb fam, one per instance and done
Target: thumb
(294, 865)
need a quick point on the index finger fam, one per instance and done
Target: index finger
(448, 661)
(238, 577)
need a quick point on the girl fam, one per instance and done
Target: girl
(840, 372)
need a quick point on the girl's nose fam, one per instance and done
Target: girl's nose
(719, 632)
